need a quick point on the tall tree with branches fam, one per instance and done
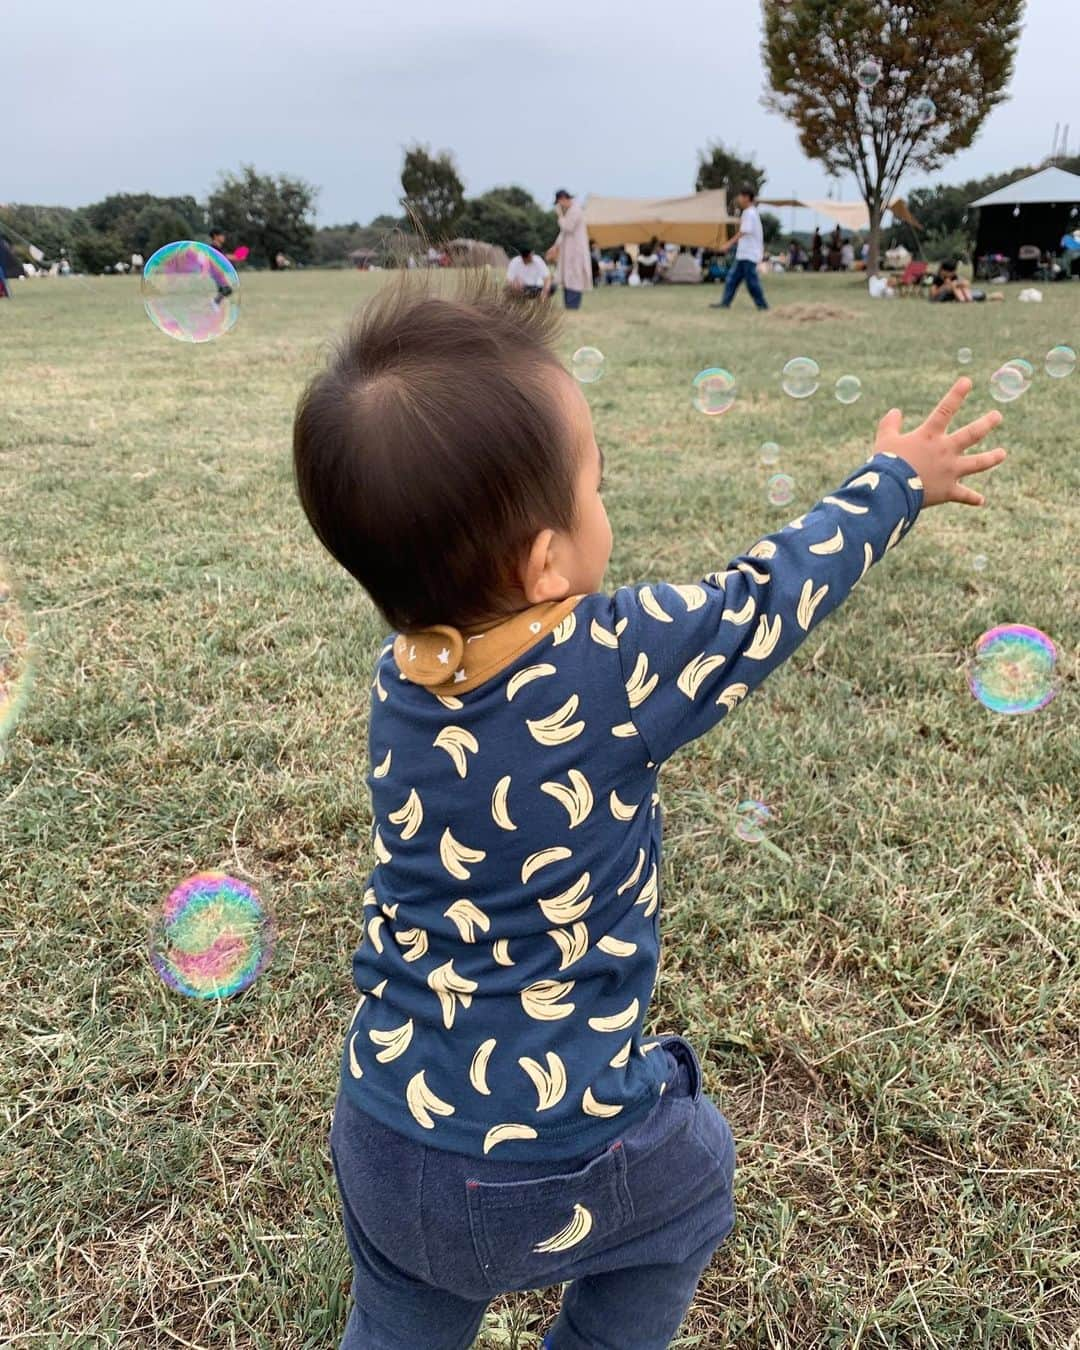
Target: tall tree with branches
(958, 54)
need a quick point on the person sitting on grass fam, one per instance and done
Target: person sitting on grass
(504, 1119)
(946, 285)
(528, 274)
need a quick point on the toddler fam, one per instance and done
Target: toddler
(504, 1120)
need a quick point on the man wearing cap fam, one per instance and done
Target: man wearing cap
(570, 251)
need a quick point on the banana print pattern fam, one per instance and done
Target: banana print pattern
(423, 1103)
(467, 918)
(575, 1232)
(694, 674)
(622, 810)
(621, 1021)
(631, 880)
(458, 744)
(410, 816)
(639, 686)
(549, 1080)
(592, 1107)
(414, 941)
(544, 1001)
(577, 799)
(479, 1066)
(518, 682)
(572, 943)
(809, 599)
(613, 946)
(544, 858)
(500, 812)
(651, 606)
(558, 727)
(509, 1021)
(455, 855)
(499, 1134)
(451, 989)
(833, 544)
(394, 1042)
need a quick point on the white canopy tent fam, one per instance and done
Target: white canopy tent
(1046, 186)
(700, 220)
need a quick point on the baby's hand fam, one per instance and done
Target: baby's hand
(937, 455)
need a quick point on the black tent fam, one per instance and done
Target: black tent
(1036, 211)
(10, 267)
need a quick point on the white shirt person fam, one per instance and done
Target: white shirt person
(528, 272)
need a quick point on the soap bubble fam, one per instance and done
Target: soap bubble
(780, 489)
(587, 363)
(1060, 361)
(923, 111)
(1007, 383)
(1026, 369)
(1012, 670)
(800, 377)
(868, 73)
(769, 452)
(979, 562)
(848, 389)
(16, 654)
(191, 291)
(751, 819)
(714, 391)
(963, 356)
(212, 937)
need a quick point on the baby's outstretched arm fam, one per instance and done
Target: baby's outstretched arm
(691, 653)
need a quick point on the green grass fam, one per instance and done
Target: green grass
(889, 1019)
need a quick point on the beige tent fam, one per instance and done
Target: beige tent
(699, 220)
(848, 215)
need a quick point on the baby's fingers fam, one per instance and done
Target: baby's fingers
(974, 432)
(949, 406)
(987, 459)
(966, 496)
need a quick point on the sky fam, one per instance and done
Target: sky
(596, 97)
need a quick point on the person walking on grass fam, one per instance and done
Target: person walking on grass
(570, 252)
(508, 1117)
(749, 246)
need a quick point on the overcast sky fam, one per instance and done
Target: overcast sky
(612, 99)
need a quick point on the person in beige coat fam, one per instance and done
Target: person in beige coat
(570, 251)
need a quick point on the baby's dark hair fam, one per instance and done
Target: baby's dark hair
(433, 449)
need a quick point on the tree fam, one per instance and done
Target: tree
(118, 215)
(509, 217)
(157, 225)
(269, 214)
(434, 194)
(719, 167)
(956, 53)
(770, 226)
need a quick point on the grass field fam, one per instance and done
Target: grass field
(889, 1019)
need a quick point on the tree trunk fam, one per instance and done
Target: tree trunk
(873, 258)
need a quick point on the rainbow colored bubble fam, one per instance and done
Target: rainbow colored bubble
(191, 291)
(16, 654)
(1012, 670)
(212, 937)
(751, 820)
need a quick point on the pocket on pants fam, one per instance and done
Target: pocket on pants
(524, 1231)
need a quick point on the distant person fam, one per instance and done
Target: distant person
(594, 258)
(847, 256)
(137, 263)
(528, 275)
(1070, 253)
(570, 252)
(816, 253)
(946, 285)
(749, 246)
(647, 263)
(217, 240)
(796, 256)
(836, 243)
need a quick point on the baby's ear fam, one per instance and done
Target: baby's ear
(540, 580)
